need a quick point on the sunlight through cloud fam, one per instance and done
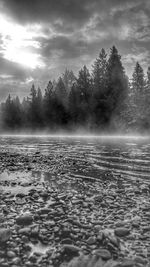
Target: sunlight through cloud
(18, 43)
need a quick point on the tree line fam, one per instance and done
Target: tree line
(101, 100)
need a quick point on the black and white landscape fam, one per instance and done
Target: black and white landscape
(74, 133)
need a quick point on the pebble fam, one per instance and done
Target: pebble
(103, 253)
(128, 263)
(71, 248)
(24, 231)
(11, 254)
(121, 231)
(5, 235)
(91, 240)
(24, 219)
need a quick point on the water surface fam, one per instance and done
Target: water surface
(87, 157)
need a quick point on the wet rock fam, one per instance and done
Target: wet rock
(5, 235)
(16, 261)
(103, 253)
(24, 239)
(140, 260)
(11, 254)
(24, 219)
(127, 263)
(24, 231)
(20, 195)
(20, 201)
(100, 237)
(43, 211)
(66, 241)
(71, 249)
(33, 258)
(91, 240)
(1, 218)
(121, 231)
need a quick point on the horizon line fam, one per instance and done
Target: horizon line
(101, 136)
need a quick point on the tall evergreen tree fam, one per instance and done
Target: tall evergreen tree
(34, 109)
(7, 113)
(26, 112)
(48, 104)
(39, 104)
(61, 92)
(138, 97)
(146, 101)
(69, 79)
(148, 76)
(84, 91)
(74, 106)
(99, 73)
(117, 86)
(12, 115)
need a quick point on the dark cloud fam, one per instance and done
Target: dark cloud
(75, 11)
(67, 46)
(47, 10)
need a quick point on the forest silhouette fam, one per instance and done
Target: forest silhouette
(104, 100)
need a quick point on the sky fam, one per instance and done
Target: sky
(39, 39)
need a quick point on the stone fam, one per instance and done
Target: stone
(66, 241)
(20, 201)
(71, 249)
(127, 263)
(140, 260)
(103, 253)
(24, 219)
(11, 254)
(24, 231)
(5, 234)
(43, 211)
(121, 231)
(91, 240)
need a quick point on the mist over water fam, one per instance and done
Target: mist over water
(76, 134)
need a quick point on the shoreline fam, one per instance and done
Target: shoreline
(54, 219)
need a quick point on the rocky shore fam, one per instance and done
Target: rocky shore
(61, 221)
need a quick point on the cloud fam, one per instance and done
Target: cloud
(49, 10)
(14, 70)
(137, 54)
(56, 34)
(75, 11)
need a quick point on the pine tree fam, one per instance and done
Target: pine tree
(99, 73)
(117, 88)
(7, 113)
(39, 105)
(61, 92)
(12, 114)
(48, 104)
(138, 97)
(148, 76)
(26, 112)
(84, 86)
(34, 109)
(68, 79)
(33, 93)
(147, 100)
(74, 104)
